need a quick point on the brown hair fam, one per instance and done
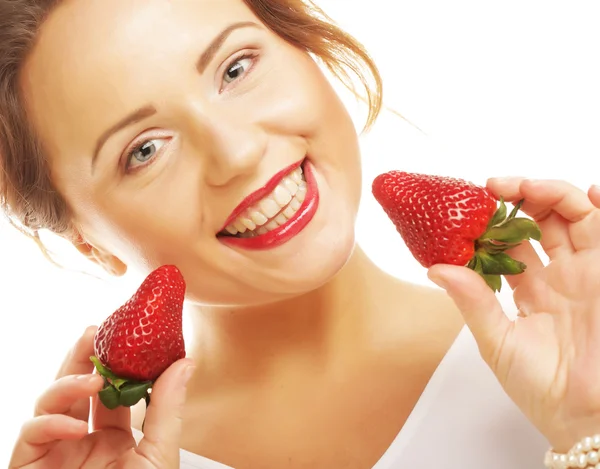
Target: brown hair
(27, 194)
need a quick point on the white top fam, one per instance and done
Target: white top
(462, 420)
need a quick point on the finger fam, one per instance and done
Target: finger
(543, 196)
(571, 203)
(550, 204)
(478, 304)
(594, 195)
(525, 253)
(103, 418)
(564, 198)
(77, 361)
(556, 239)
(38, 435)
(67, 392)
(163, 426)
(509, 188)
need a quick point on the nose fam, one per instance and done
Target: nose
(231, 146)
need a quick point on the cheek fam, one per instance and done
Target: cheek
(295, 98)
(146, 223)
(308, 106)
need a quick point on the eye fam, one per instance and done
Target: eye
(141, 154)
(238, 68)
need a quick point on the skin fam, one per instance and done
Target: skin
(335, 347)
(275, 346)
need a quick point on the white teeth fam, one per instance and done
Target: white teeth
(289, 211)
(247, 223)
(269, 208)
(297, 176)
(282, 196)
(239, 226)
(301, 195)
(290, 185)
(271, 225)
(258, 218)
(274, 210)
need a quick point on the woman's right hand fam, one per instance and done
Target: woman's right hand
(58, 436)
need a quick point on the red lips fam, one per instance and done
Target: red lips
(292, 227)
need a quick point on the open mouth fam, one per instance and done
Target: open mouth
(274, 210)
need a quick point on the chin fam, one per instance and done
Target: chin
(321, 265)
(306, 272)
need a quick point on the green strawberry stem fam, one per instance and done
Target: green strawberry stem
(502, 233)
(121, 392)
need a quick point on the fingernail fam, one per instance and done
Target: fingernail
(439, 281)
(187, 373)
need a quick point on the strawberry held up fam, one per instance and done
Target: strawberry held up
(447, 220)
(141, 339)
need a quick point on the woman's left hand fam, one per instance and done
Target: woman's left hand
(548, 360)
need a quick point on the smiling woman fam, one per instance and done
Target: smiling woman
(215, 141)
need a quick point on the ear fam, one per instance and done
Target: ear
(111, 264)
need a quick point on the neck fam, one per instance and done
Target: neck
(316, 330)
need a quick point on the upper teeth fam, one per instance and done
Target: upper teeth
(274, 210)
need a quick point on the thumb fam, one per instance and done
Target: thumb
(478, 304)
(162, 427)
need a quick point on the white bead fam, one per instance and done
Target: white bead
(587, 444)
(596, 441)
(572, 461)
(548, 459)
(578, 448)
(582, 461)
(593, 458)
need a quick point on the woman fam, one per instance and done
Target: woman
(139, 149)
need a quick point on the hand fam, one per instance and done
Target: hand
(58, 436)
(548, 359)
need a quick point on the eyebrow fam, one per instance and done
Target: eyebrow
(214, 46)
(143, 113)
(133, 118)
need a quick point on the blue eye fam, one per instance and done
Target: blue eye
(141, 154)
(238, 68)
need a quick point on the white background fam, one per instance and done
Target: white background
(498, 88)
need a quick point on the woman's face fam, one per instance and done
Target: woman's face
(161, 117)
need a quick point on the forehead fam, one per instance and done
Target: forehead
(94, 58)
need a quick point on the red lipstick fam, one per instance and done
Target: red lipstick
(294, 225)
(260, 193)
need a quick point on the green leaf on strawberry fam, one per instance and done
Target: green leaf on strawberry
(120, 392)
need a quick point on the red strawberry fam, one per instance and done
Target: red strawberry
(446, 220)
(141, 339)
